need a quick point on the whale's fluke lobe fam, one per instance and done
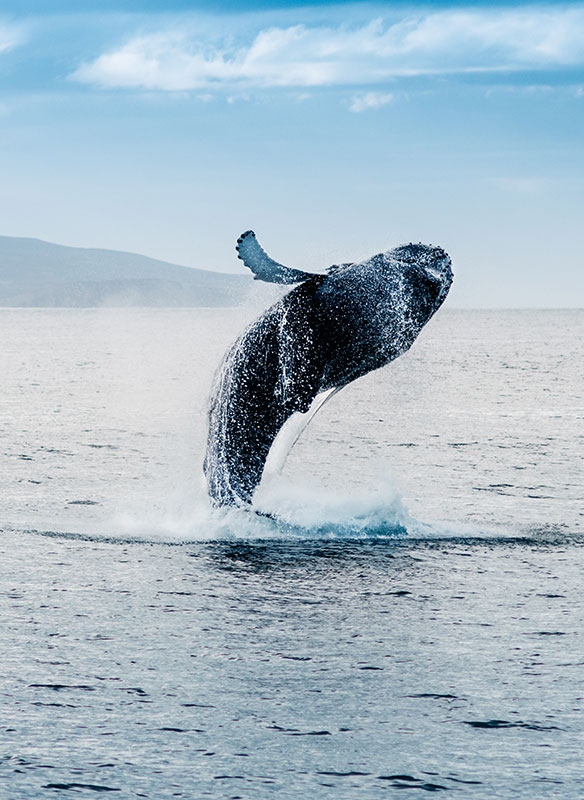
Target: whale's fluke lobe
(264, 268)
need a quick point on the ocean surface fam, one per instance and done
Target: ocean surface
(413, 619)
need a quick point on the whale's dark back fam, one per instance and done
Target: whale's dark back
(326, 332)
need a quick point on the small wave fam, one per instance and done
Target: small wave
(282, 511)
(289, 512)
(309, 511)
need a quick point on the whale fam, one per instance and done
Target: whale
(328, 330)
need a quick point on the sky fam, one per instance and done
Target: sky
(334, 130)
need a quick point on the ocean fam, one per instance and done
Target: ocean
(412, 618)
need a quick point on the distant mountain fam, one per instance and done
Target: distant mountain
(37, 273)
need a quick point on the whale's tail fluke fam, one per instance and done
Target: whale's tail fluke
(264, 268)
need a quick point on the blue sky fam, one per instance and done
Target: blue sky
(335, 130)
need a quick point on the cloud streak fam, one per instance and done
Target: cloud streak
(10, 37)
(445, 42)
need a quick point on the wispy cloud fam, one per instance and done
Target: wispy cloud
(449, 41)
(10, 37)
(369, 100)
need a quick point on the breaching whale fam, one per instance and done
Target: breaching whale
(327, 331)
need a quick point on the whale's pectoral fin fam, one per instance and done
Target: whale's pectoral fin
(264, 268)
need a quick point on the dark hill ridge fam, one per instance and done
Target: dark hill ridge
(38, 273)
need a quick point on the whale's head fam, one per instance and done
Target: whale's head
(432, 264)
